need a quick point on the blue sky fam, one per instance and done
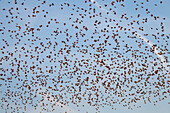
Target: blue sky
(45, 48)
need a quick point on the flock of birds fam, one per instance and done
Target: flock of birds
(88, 54)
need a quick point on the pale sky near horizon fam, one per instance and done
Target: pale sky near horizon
(24, 42)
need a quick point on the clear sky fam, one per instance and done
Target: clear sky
(47, 47)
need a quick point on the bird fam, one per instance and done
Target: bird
(59, 54)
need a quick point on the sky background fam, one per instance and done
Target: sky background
(13, 42)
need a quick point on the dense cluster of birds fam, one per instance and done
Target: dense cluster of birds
(63, 53)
